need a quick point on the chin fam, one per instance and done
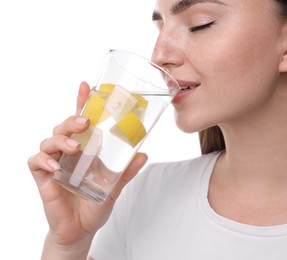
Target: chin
(190, 125)
(186, 127)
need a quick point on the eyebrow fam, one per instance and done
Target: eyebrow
(182, 5)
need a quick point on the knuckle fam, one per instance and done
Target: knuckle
(42, 143)
(30, 160)
(55, 129)
(67, 127)
(34, 161)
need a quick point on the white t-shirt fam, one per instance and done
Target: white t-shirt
(164, 214)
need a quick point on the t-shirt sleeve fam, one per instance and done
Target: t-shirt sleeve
(110, 241)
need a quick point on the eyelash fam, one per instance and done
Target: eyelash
(201, 27)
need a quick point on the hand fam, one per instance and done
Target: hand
(72, 219)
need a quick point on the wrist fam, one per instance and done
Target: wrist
(78, 250)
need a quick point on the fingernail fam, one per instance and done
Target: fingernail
(72, 143)
(53, 165)
(81, 120)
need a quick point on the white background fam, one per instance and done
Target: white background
(46, 49)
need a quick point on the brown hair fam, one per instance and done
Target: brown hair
(211, 139)
(282, 6)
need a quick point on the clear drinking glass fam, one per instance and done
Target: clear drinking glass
(129, 98)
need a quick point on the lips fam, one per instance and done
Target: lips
(187, 85)
(187, 88)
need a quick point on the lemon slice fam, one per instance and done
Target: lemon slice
(141, 106)
(120, 102)
(141, 101)
(95, 110)
(92, 142)
(84, 137)
(106, 87)
(129, 129)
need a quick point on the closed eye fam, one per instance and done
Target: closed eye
(201, 27)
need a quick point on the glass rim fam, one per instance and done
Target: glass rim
(165, 71)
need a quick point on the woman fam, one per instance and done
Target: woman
(230, 57)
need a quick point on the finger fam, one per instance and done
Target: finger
(73, 124)
(83, 93)
(58, 144)
(136, 164)
(42, 161)
(42, 166)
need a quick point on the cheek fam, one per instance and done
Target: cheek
(243, 48)
(236, 74)
(241, 63)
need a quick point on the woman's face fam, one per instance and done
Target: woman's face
(225, 53)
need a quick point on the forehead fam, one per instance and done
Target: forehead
(169, 3)
(252, 7)
(181, 5)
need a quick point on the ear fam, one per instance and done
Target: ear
(283, 59)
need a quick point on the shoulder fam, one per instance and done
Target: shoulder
(191, 166)
(170, 179)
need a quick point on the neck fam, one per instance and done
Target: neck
(256, 144)
(249, 182)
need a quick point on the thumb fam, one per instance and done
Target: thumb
(131, 171)
(83, 94)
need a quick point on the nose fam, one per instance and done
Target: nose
(166, 52)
